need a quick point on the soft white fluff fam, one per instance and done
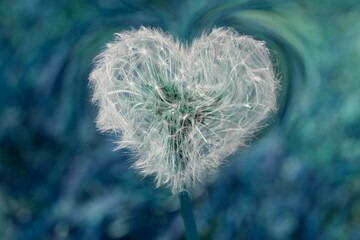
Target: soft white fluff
(182, 109)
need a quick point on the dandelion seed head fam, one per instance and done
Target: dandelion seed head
(182, 109)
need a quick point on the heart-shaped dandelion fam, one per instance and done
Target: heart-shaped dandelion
(181, 109)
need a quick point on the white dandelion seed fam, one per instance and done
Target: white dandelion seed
(182, 109)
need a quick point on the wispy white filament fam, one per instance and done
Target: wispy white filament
(182, 109)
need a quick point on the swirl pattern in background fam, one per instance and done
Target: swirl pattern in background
(59, 178)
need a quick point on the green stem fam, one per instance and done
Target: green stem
(188, 216)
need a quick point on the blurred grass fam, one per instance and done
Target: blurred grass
(59, 178)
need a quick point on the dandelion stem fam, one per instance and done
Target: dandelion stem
(188, 216)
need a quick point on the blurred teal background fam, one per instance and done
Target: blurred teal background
(60, 179)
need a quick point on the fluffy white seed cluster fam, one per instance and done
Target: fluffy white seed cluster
(181, 108)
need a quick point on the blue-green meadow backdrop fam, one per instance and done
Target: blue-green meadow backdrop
(60, 179)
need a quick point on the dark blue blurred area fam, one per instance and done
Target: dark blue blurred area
(60, 179)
